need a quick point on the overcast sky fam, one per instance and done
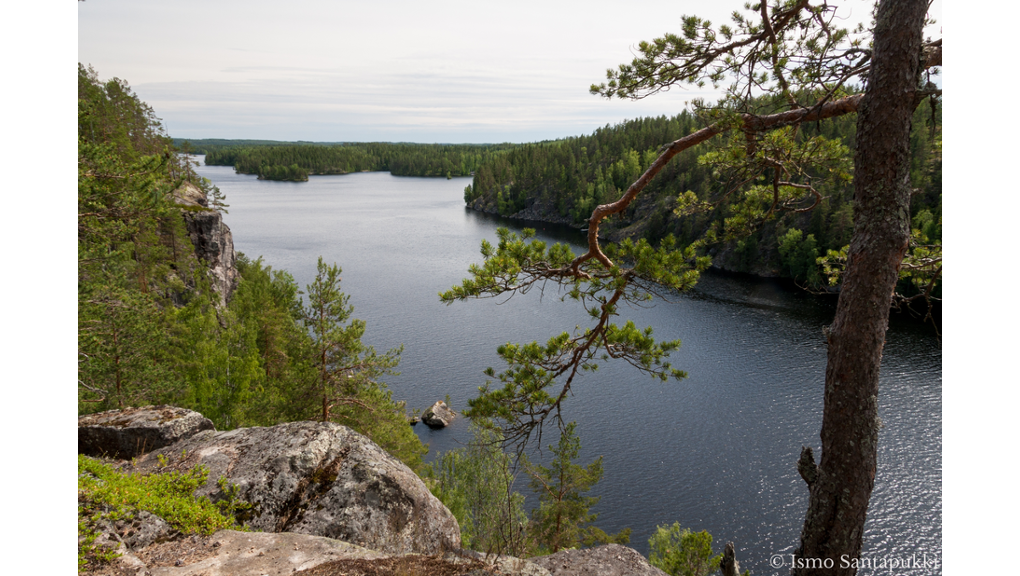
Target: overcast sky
(320, 70)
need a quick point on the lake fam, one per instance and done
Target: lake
(716, 451)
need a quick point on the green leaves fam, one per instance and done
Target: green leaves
(787, 47)
(774, 172)
(343, 363)
(105, 494)
(563, 518)
(679, 552)
(538, 376)
(514, 265)
(476, 484)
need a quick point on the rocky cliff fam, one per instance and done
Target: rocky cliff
(214, 244)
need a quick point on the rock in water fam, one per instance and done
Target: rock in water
(322, 479)
(439, 415)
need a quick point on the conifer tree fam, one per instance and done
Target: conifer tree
(346, 387)
(563, 518)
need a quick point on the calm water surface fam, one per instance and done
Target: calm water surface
(715, 452)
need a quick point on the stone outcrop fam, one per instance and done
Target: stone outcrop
(608, 560)
(438, 415)
(214, 244)
(230, 553)
(324, 498)
(322, 479)
(134, 431)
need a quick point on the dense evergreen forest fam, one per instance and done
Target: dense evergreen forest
(696, 197)
(151, 328)
(297, 161)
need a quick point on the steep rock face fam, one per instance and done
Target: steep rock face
(214, 244)
(322, 479)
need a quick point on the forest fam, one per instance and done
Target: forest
(151, 329)
(297, 161)
(697, 196)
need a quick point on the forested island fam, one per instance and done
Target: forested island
(296, 161)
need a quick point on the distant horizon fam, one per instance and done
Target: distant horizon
(390, 71)
(302, 141)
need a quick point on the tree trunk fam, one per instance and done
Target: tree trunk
(840, 487)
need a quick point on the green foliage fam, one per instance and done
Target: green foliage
(347, 371)
(476, 485)
(569, 177)
(799, 255)
(786, 54)
(152, 331)
(134, 257)
(284, 161)
(293, 173)
(107, 494)
(267, 303)
(343, 364)
(679, 552)
(216, 355)
(538, 376)
(726, 194)
(563, 518)
(785, 171)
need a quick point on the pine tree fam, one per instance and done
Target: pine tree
(680, 552)
(346, 386)
(563, 518)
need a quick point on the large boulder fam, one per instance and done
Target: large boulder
(318, 478)
(608, 560)
(133, 431)
(438, 415)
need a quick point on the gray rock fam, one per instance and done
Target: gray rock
(500, 564)
(188, 194)
(322, 479)
(213, 241)
(283, 554)
(607, 560)
(142, 530)
(438, 415)
(133, 431)
(260, 553)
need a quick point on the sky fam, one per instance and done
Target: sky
(451, 71)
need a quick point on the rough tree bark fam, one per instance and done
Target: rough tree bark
(840, 486)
